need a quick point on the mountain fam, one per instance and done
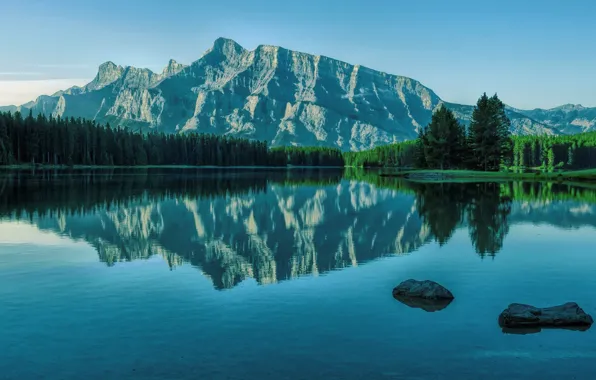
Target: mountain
(521, 123)
(568, 118)
(9, 108)
(278, 95)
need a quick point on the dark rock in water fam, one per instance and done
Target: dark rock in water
(430, 305)
(428, 290)
(569, 315)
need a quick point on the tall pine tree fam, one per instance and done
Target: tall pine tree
(489, 136)
(6, 157)
(443, 140)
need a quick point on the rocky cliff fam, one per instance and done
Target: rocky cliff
(278, 95)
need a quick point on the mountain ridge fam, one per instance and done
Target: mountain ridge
(278, 95)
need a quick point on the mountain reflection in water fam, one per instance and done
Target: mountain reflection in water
(276, 225)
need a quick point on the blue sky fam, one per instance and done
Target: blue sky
(532, 53)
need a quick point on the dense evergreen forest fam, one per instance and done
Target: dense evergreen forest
(549, 153)
(402, 154)
(65, 142)
(306, 156)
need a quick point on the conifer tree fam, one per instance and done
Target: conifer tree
(478, 133)
(489, 135)
(443, 140)
(5, 144)
(503, 146)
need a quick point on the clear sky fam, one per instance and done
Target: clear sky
(532, 53)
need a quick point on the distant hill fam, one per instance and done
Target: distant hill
(567, 119)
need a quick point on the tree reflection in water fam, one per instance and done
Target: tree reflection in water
(274, 225)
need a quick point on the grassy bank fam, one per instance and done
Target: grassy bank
(472, 175)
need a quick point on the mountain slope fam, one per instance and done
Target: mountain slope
(9, 108)
(270, 93)
(568, 118)
(521, 124)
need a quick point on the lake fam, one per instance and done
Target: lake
(286, 274)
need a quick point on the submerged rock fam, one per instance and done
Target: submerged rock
(430, 305)
(427, 290)
(568, 315)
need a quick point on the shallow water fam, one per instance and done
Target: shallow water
(246, 275)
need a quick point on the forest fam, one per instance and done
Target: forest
(486, 145)
(53, 141)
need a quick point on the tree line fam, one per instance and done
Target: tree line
(306, 156)
(443, 144)
(393, 155)
(59, 141)
(486, 144)
(550, 153)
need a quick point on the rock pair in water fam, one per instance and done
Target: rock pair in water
(517, 318)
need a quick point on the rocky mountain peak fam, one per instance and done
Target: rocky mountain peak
(226, 47)
(223, 42)
(172, 68)
(570, 107)
(108, 70)
(107, 73)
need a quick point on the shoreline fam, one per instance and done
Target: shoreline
(83, 167)
(429, 175)
(414, 175)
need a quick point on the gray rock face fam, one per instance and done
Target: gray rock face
(569, 118)
(172, 68)
(277, 95)
(427, 290)
(524, 316)
(521, 123)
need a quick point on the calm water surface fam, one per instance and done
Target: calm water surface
(286, 275)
